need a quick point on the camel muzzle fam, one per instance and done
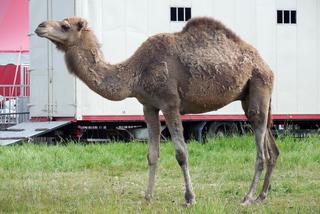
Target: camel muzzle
(40, 31)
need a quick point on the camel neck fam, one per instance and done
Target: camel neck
(110, 81)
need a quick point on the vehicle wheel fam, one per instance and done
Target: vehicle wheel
(220, 129)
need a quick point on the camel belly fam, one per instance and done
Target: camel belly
(210, 96)
(203, 104)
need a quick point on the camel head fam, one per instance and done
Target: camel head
(64, 33)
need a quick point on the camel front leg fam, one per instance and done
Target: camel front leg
(260, 159)
(153, 123)
(176, 131)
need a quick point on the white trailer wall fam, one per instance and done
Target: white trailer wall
(121, 27)
(291, 50)
(38, 62)
(307, 57)
(52, 87)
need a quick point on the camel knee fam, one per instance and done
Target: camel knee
(152, 158)
(275, 152)
(272, 149)
(181, 156)
(273, 159)
(260, 163)
(257, 117)
(260, 166)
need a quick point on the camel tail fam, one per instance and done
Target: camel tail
(272, 151)
(270, 121)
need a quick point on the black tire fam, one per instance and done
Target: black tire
(220, 129)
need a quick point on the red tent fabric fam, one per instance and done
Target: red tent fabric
(7, 75)
(14, 25)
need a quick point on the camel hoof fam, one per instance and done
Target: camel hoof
(260, 199)
(190, 202)
(190, 198)
(148, 198)
(246, 201)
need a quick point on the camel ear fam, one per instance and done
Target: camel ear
(82, 24)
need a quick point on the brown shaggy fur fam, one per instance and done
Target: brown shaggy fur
(211, 25)
(202, 68)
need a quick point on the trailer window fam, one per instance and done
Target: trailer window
(188, 13)
(286, 16)
(180, 14)
(173, 14)
(279, 16)
(293, 17)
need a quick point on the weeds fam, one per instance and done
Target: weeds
(111, 178)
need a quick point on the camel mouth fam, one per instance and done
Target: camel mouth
(41, 32)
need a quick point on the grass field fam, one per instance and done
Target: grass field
(111, 178)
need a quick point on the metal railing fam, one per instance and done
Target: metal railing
(14, 100)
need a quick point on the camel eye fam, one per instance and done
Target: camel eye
(65, 27)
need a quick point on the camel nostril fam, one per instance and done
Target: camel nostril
(43, 24)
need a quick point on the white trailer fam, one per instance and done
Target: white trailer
(286, 33)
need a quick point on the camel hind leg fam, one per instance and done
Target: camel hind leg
(256, 107)
(272, 153)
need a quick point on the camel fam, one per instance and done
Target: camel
(199, 69)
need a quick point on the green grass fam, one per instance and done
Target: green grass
(111, 178)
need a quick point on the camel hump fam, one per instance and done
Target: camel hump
(199, 24)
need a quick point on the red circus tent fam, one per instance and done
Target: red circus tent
(14, 25)
(14, 42)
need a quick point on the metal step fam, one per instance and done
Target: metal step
(28, 130)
